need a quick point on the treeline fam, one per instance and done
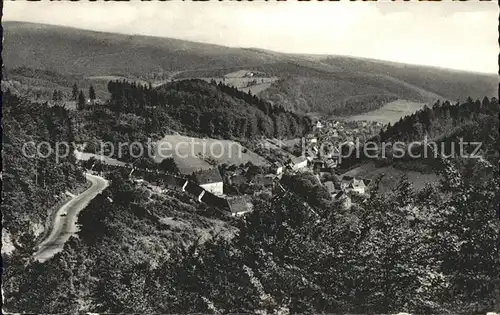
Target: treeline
(361, 104)
(332, 96)
(208, 109)
(33, 183)
(445, 124)
(427, 252)
(440, 119)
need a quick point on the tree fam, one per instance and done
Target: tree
(168, 165)
(74, 93)
(81, 100)
(55, 96)
(92, 93)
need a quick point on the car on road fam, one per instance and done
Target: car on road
(64, 214)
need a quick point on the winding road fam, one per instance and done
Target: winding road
(64, 226)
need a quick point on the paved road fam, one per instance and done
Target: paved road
(64, 226)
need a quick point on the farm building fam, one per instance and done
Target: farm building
(298, 163)
(277, 168)
(210, 180)
(350, 183)
(174, 182)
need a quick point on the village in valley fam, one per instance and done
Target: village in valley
(233, 187)
(226, 159)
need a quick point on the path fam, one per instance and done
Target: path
(64, 226)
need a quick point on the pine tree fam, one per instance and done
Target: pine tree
(55, 96)
(75, 92)
(81, 101)
(92, 93)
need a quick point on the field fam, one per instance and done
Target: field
(255, 83)
(245, 83)
(390, 112)
(392, 176)
(191, 154)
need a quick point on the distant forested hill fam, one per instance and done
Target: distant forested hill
(443, 122)
(135, 112)
(444, 126)
(308, 83)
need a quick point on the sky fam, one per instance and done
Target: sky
(448, 34)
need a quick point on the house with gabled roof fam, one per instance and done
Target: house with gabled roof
(332, 163)
(350, 183)
(195, 190)
(330, 186)
(174, 182)
(311, 139)
(210, 180)
(263, 180)
(357, 185)
(277, 168)
(239, 205)
(298, 163)
(345, 182)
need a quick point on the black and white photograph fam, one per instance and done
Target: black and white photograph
(250, 157)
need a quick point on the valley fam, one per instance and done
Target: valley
(256, 198)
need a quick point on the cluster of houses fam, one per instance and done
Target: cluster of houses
(207, 186)
(340, 132)
(345, 187)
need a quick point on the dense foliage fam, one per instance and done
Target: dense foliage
(444, 119)
(428, 252)
(336, 96)
(445, 125)
(209, 109)
(33, 184)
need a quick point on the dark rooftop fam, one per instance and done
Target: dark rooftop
(194, 189)
(239, 204)
(347, 178)
(208, 176)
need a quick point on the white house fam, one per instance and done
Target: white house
(346, 181)
(358, 186)
(210, 180)
(310, 138)
(277, 168)
(299, 163)
(350, 183)
(332, 163)
(319, 125)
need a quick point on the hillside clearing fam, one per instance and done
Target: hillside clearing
(390, 112)
(253, 84)
(392, 176)
(191, 154)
